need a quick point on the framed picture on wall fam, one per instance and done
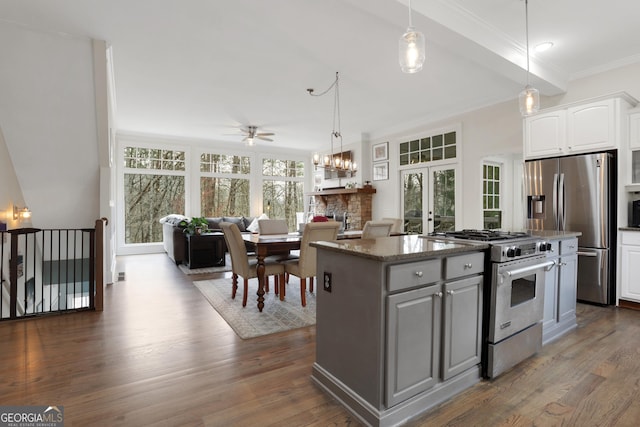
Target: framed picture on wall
(380, 152)
(380, 171)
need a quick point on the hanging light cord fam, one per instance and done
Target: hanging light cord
(526, 15)
(410, 21)
(336, 103)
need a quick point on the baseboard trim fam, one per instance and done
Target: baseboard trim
(629, 304)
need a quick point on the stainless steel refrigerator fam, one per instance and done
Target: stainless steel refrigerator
(577, 193)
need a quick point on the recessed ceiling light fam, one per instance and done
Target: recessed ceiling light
(543, 46)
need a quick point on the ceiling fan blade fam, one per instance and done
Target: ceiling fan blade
(263, 138)
(265, 134)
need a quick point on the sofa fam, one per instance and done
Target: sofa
(175, 241)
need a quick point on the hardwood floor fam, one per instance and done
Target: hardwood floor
(160, 355)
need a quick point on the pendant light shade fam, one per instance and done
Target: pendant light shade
(411, 49)
(529, 98)
(529, 101)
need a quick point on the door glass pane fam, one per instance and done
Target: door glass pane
(412, 188)
(444, 200)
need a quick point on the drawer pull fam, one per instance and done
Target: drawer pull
(438, 294)
(450, 292)
(419, 273)
(469, 265)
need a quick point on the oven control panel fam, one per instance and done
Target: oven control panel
(515, 250)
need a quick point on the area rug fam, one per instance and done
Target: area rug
(248, 322)
(189, 271)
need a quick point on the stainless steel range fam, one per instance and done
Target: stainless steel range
(513, 296)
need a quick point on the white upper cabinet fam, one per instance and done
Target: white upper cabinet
(544, 134)
(579, 128)
(593, 126)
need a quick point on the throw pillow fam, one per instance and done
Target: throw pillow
(253, 227)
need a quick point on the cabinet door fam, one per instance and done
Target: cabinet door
(462, 327)
(630, 271)
(413, 337)
(567, 292)
(592, 126)
(550, 317)
(545, 134)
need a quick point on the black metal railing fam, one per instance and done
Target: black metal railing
(47, 271)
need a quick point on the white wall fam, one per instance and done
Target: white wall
(48, 117)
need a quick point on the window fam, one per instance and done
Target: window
(282, 189)
(491, 206)
(428, 149)
(224, 185)
(154, 186)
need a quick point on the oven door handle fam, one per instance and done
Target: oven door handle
(546, 265)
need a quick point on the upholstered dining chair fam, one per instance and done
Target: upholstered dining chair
(374, 229)
(397, 224)
(270, 227)
(241, 265)
(305, 266)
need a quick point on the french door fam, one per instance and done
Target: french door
(429, 199)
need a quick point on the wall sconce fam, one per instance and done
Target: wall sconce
(21, 213)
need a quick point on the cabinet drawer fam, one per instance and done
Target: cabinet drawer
(568, 246)
(463, 265)
(631, 237)
(404, 276)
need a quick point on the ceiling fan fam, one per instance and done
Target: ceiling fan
(251, 134)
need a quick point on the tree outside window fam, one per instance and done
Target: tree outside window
(282, 189)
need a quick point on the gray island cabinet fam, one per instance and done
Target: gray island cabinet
(561, 283)
(398, 323)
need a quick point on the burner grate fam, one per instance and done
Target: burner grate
(483, 235)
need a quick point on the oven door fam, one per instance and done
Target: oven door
(517, 296)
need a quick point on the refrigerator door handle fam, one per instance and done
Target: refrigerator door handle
(561, 217)
(555, 200)
(589, 254)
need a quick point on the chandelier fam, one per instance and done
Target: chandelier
(341, 160)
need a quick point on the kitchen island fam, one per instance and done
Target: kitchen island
(399, 323)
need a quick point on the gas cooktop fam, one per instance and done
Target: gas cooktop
(482, 235)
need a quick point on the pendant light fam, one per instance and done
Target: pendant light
(529, 98)
(411, 49)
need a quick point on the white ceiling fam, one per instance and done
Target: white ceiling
(203, 68)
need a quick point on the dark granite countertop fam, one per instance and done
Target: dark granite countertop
(629, 228)
(398, 248)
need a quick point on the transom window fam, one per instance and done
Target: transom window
(428, 149)
(152, 158)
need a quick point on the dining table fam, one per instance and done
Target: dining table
(270, 244)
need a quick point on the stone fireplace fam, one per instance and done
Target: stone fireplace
(355, 202)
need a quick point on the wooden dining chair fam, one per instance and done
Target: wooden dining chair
(305, 266)
(374, 229)
(241, 265)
